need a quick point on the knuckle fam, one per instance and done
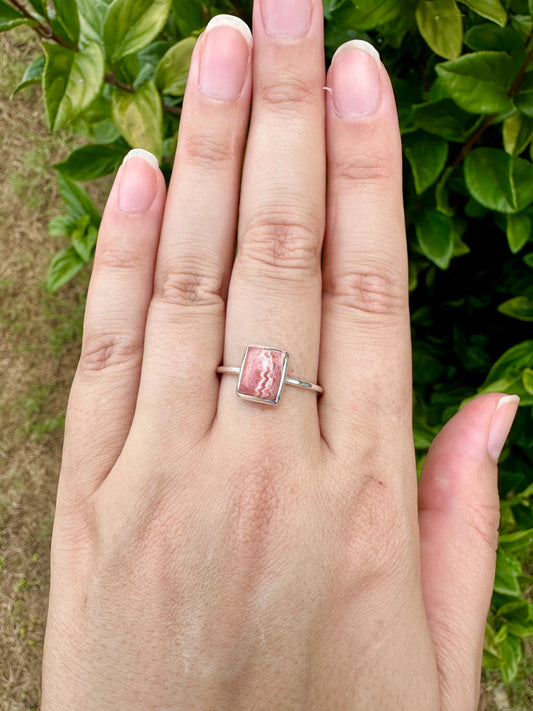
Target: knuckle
(103, 351)
(120, 259)
(484, 520)
(376, 531)
(280, 240)
(190, 285)
(288, 94)
(365, 167)
(374, 291)
(209, 152)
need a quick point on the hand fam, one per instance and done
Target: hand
(213, 553)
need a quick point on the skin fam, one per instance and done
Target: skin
(212, 553)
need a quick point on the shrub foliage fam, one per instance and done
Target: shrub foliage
(115, 71)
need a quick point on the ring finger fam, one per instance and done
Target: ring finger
(274, 297)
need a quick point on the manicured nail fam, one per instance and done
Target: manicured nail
(501, 424)
(355, 79)
(224, 57)
(287, 18)
(138, 181)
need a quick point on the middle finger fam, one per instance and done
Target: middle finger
(275, 291)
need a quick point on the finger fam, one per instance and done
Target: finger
(274, 297)
(458, 519)
(185, 328)
(105, 387)
(365, 360)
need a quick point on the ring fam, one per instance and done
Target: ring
(263, 374)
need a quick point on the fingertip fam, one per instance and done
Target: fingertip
(139, 182)
(501, 423)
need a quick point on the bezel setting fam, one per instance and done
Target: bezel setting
(284, 367)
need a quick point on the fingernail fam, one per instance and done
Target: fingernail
(224, 57)
(355, 79)
(138, 181)
(287, 18)
(502, 421)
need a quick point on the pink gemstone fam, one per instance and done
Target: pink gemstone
(261, 373)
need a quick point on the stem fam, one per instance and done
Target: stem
(520, 75)
(489, 120)
(473, 140)
(110, 79)
(42, 30)
(175, 110)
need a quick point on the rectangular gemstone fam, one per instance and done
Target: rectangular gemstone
(261, 373)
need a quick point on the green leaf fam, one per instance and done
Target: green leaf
(65, 265)
(32, 75)
(518, 231)
(92, 19)
(528, 259)
(523, 25)
(173, 69)
(139, 117)
(149, 59)
(91, 162)
(444, 118)
(518, 629)
(494, 38)
(511, 650)
(39, 6)
(516, 541)
(491, 9)
(435, 232)
(441, 25)
(508, 569)
(517, 133)
(367, 14)
(506, 374)
(479, 82)
(96, 122)
(329, 7)
(441, 193)
(427, 155)
(527, 380)
(192, 15)
(498, 181)
(132, 24)
(520, 308)
(66, 22)
(524, 96)
(84, 241)
(10, 17)
(71, 81)
(61, 226)
(77, 200)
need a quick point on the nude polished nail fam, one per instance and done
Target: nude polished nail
(224, 57)
(355, 79)
(138, 181)
(287, 18)
(502, 421)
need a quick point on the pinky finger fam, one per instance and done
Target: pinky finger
(104, 391)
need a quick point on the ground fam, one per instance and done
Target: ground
(39, 347)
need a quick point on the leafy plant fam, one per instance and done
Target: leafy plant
(114, 72)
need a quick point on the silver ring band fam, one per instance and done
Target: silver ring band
(236, 370)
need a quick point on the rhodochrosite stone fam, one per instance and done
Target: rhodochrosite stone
(261, 373)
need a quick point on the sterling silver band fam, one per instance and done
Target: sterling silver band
(296, 382)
